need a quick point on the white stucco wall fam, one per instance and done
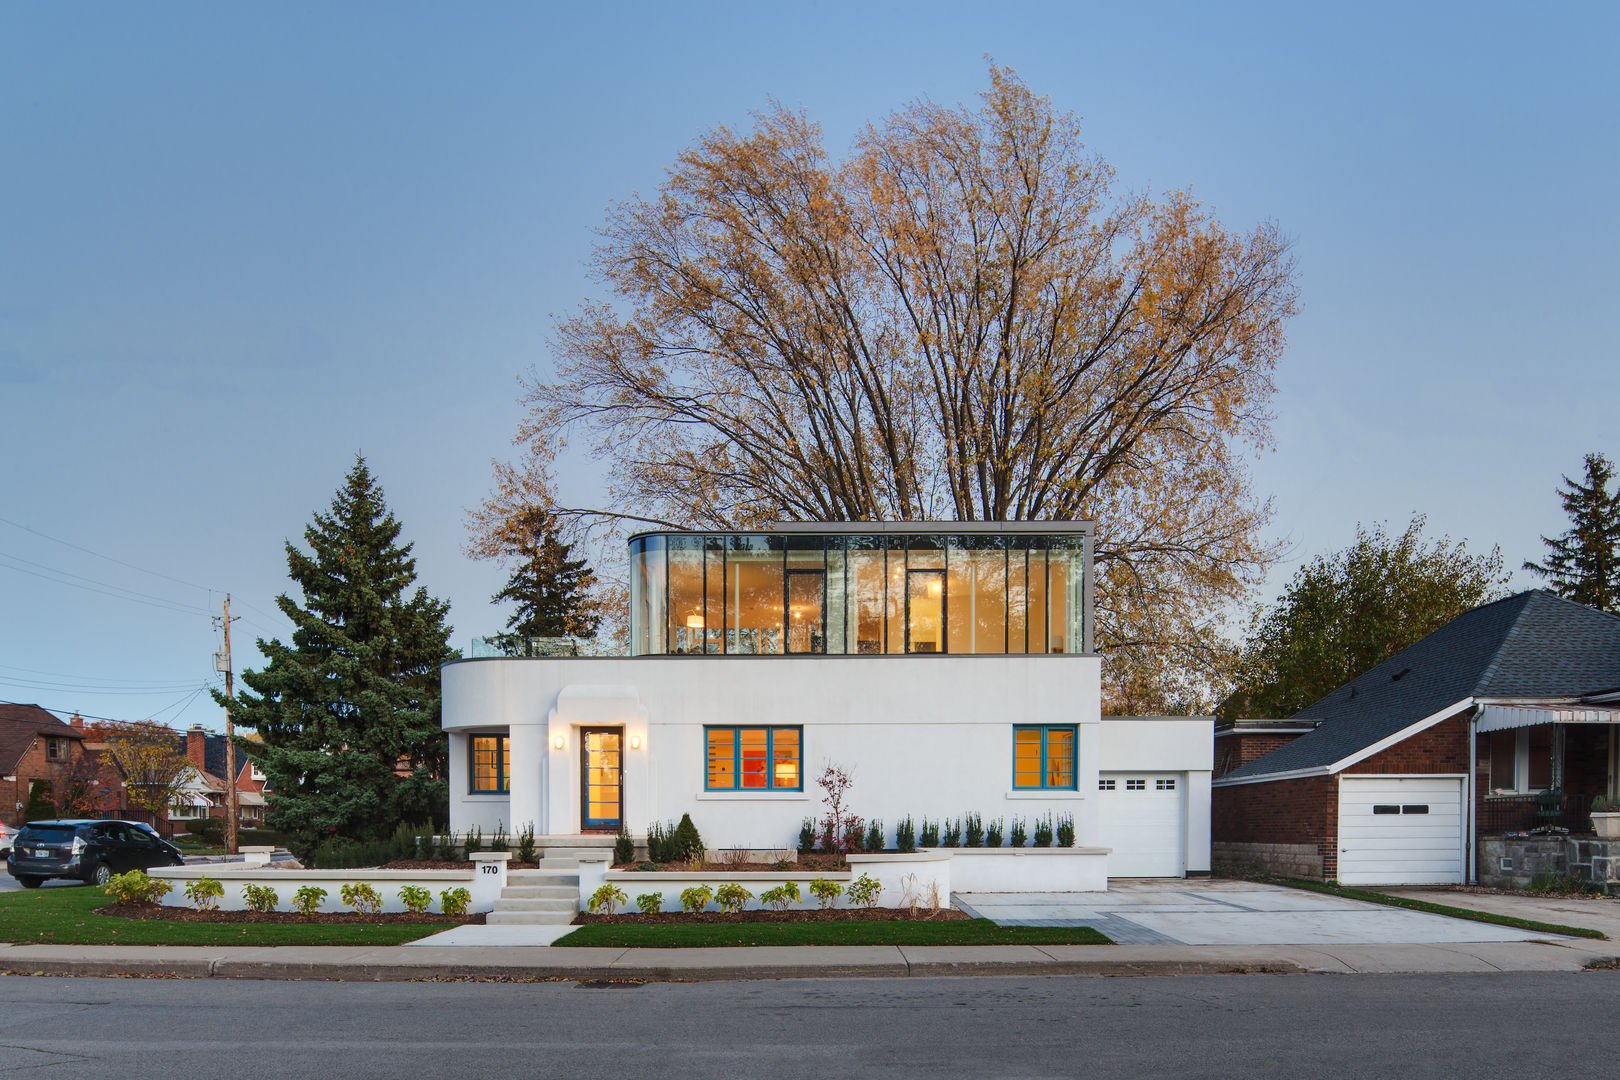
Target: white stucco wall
(1160, 744)
(925, 736)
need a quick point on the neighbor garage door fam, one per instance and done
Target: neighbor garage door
(1400, 831)
(1144, 820)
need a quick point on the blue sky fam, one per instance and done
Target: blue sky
(238, 244)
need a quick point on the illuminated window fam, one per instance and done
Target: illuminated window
(754, 759)
(1043, 757)
(491, 764)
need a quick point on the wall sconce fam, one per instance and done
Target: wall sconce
(557, 742)
(635, 742)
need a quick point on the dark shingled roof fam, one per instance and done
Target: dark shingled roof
(1533, 645)
(213, 753)
(18, 726)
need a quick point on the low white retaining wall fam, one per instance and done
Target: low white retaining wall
(919, 876)
(485, 881)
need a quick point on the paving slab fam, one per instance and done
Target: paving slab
(497, 936)
(1374, 926)
(1373, 959)
(1183, 960)
(1601, 913)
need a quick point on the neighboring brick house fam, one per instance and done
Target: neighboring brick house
(1503, 720)
(1238, 742)
(206, 794)
(34, 745)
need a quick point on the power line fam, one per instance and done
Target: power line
(116, 691)
(88, 678)
(105, 590)
(99, 555)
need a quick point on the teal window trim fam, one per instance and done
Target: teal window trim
(501, 779)
(1046, 740)
(770, 756)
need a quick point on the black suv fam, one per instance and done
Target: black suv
(92, 851)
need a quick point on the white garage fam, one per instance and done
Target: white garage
(1401, 830)
(1144, 819)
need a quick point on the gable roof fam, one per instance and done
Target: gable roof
(1533, 645)
(19, 724)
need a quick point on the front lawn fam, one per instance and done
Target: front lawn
(904, 932)
(66, 916)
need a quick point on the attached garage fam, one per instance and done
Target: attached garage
(1401, 830)
(1144, 819)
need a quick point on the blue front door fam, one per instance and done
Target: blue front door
(602, 790)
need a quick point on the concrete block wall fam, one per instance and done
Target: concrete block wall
(1283, 860)
(1285, 813)
(1514, 862)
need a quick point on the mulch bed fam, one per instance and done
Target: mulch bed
(437, 864)
(159, 912)
(766, 916)
(808, 864)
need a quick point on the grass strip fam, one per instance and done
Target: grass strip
(66, 916)
(713, 935)
(1436, 909)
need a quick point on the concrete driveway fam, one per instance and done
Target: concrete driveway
(1218, 912)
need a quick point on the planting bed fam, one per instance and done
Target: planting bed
(813, 915)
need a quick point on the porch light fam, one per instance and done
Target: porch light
(635, 742)
(557, 742)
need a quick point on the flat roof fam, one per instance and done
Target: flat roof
(867, 528)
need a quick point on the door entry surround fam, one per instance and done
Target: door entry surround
(601, 776)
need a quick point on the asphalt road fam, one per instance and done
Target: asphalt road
(8, 883)
(1478, 1026)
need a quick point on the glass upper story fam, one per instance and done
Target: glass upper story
(864, 588)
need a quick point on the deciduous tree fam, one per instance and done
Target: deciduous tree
(963, 319)
(357, 690)
(152, 764)
(1583, 564)
(1349, 611)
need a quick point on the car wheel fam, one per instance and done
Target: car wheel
(101, 873)
(28, 881)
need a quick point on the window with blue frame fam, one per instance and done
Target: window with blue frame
(754, 758)
(491, 763)
(1043, 757)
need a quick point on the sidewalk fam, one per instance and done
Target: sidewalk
(404, 963)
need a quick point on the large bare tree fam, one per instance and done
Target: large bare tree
(963, 319)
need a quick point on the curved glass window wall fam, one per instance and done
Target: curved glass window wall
(887, 593)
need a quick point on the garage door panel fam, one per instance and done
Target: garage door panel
(1423, 848)
(1146, 827)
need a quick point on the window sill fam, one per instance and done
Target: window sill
(1045, 794)
(752, 796)
(488, 796)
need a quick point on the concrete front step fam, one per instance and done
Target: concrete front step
(544, 876)
(540, 892)
(568, 904)
(529, 918)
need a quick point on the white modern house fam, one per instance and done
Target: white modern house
(947, 665)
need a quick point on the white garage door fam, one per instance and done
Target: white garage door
(1400, 831)
(1144, 821)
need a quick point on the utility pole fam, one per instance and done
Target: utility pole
(230, 736)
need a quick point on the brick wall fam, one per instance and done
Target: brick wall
(1291, 812)
(1441, 749)
(34, 765)
(1236, 750)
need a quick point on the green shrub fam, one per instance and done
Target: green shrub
(624, 848)
(307, 900)
(474, 841)
(807, 836)
(454, 901)
(40, 807)
(953, 834)
(416, 899)
(210, 830)
(1018, 833)
(1065, 831)
(696, 898)
(362, 897)
(732, 898)
(905, 836)
(650, 903)
(204, 893)
(526, 847)
(973, 831)
(825, 891)
(1602, 805)
(928, 835)
(260, 897)
(135, 887)
(341, 853)
(865, 891)
(446, 851)
(659, 843)
(1043, 831)
(606, 900)
(875, 836)
(993, 834)
(500, 842)
(688, 840)
(781, 896)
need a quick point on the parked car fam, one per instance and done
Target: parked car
(6, 833)
(92, 851)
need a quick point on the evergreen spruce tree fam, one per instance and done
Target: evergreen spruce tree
(551, 589)
(1583, 564)
(357, 690)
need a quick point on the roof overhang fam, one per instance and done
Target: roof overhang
(1359, 756)
(1507, 717)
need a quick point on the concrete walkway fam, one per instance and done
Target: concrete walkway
(1220, 912)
